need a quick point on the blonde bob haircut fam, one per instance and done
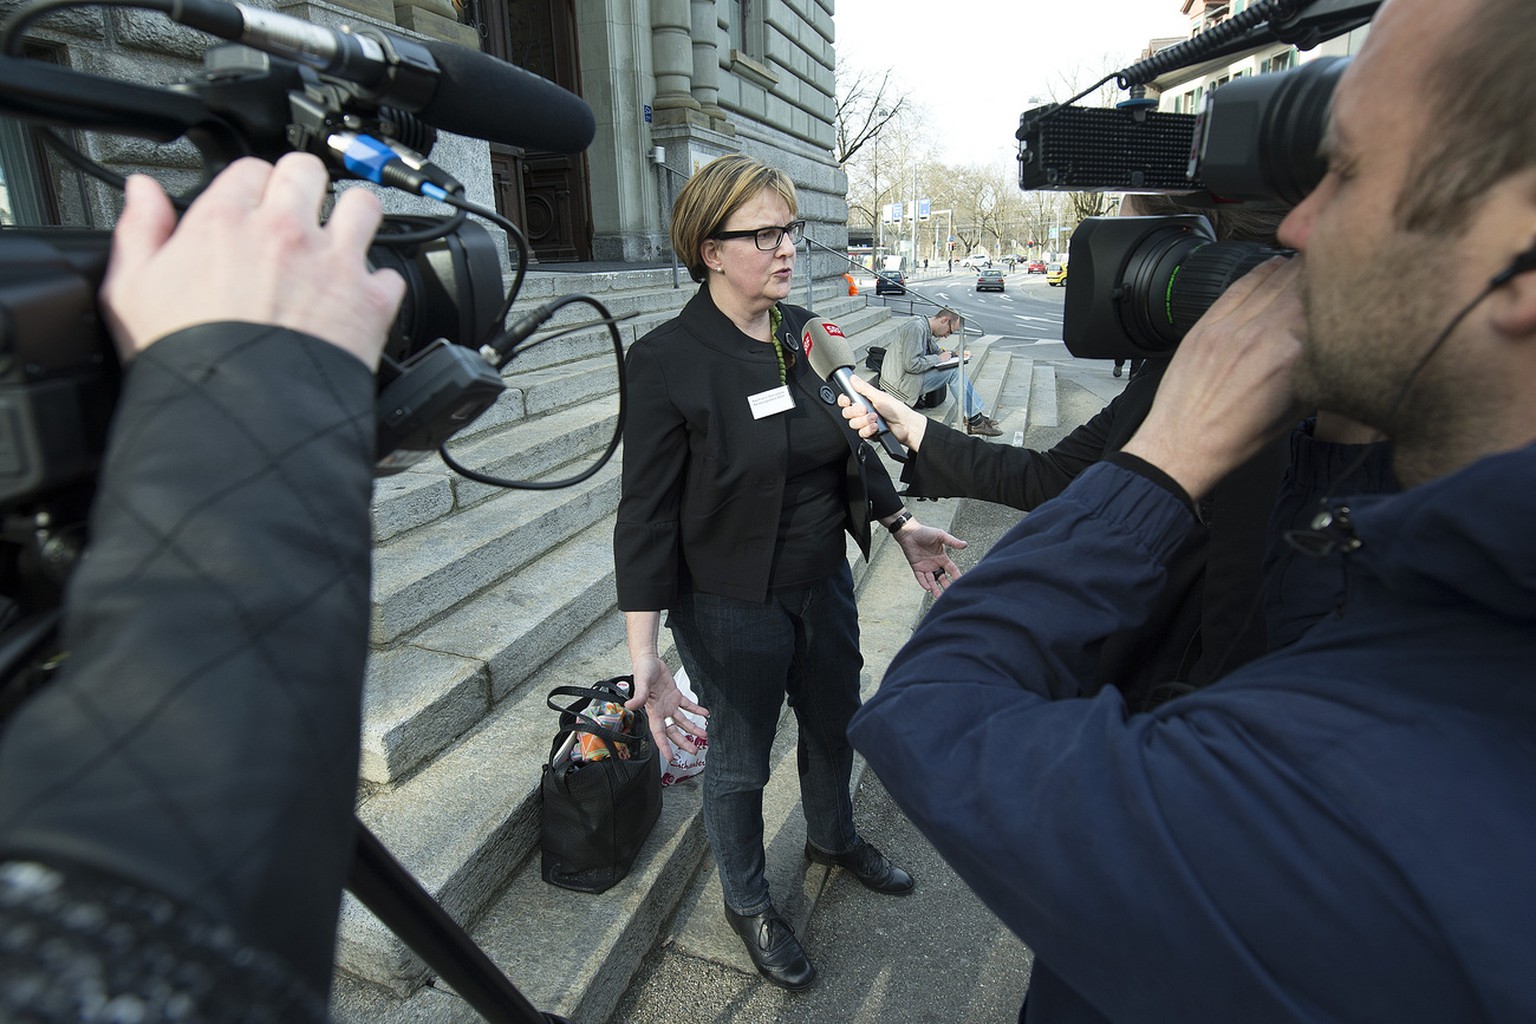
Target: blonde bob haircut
(717, 190)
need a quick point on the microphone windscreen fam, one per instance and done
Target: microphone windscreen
(486, 98)
(826, 347)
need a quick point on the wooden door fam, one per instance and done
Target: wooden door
(543, 193)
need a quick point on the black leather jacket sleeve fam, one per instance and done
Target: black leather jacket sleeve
(953, 464)
(202, 739)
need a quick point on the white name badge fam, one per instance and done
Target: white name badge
(771, 402)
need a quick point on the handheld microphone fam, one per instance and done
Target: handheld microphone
(447, 85)
(826, 349)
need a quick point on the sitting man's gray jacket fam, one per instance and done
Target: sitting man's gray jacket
(911, 356)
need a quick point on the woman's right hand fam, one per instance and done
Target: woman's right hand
(657, 692)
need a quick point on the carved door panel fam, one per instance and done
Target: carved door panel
(543, 193)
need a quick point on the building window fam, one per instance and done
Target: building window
(20, 184)
(746, 29)
(1281, 61)
(26, 197)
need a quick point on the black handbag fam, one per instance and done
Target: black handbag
(874, 359)
(597, 814)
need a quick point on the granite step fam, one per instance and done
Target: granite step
(483, 601)
(425, 573)
(422, 695)
(573, 953)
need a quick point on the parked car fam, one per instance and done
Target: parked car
(989, 280)
(1035, 267)
(1056, 274)
(890, 282)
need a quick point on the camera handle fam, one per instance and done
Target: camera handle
(385, 887)
(376, 878)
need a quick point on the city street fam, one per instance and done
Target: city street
(1027, 313)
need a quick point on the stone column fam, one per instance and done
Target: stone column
(706, 64)
(672, 56)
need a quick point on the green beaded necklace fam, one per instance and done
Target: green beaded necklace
(775, 321)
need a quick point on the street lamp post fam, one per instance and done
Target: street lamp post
(949, 216)
(914, 216)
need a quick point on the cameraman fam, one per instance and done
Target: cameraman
(176, 807)
(1207, 619)
(1340, 830)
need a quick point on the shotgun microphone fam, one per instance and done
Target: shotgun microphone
(827, 350)
(450, 87)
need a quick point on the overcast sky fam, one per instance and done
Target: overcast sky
(974, 65)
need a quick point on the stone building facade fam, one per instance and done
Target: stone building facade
(672, 83)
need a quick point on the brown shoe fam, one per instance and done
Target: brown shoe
(982, 426)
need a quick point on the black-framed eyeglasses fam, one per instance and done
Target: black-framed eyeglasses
(767, 239)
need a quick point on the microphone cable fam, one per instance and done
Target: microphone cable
(543, 314)
(1331, 530)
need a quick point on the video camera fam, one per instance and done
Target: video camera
(1137, 284)
(369, 104)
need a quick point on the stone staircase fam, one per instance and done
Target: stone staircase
(484, 599)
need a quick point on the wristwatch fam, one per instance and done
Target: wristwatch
(899, 521)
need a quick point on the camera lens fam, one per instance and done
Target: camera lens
(1150, 274)
(1205, 273)
(1139, 283)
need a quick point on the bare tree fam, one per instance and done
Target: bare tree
(1090, 204)
(864, 109)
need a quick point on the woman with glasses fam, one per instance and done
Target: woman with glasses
(740, 478)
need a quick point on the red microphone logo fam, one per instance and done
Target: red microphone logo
(832, 330)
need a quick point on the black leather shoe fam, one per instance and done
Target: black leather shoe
(773, 947)
(869, 866)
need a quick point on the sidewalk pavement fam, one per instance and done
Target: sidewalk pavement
(936, 955)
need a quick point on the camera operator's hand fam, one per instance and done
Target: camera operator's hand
(1228, 387)
(250, 249)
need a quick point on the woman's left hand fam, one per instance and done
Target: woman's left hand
(925, 547)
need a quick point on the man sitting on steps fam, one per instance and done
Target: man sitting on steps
(912, 368)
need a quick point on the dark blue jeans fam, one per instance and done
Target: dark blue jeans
(744, 658)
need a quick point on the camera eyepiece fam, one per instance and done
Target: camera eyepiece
(1260, 135)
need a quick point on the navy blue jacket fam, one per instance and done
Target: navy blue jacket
(1341, 830)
